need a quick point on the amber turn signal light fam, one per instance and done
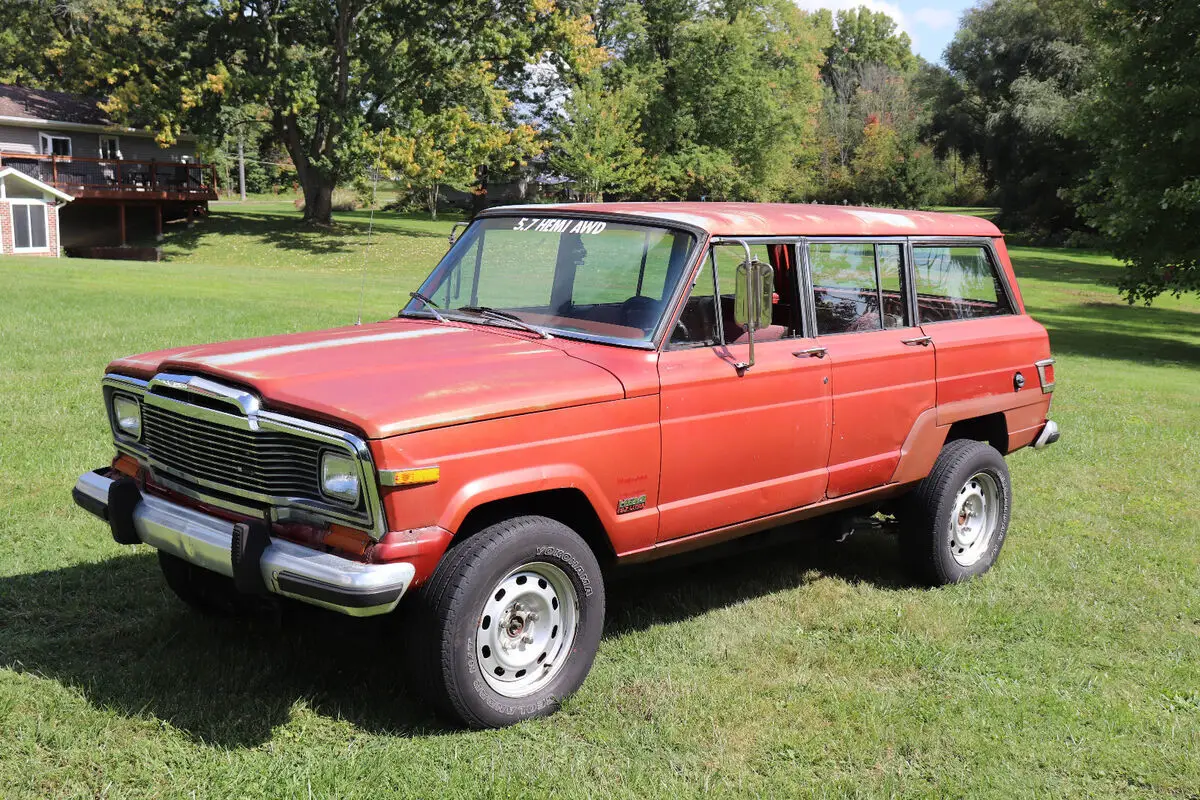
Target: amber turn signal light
(409, 477)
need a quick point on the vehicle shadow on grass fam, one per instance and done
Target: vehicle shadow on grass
(113, 632)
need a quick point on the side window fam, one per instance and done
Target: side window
(707, 316)
(957, 283)
(698, 323)
(891, 285)
(845, 293)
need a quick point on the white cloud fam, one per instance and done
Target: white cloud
(936, 18)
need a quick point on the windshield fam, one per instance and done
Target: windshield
(568, 275)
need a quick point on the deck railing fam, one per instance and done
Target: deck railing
(118, 178)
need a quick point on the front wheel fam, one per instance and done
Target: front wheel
(509, 623)
(957, 517)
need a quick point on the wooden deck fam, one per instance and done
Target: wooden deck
(119, 179)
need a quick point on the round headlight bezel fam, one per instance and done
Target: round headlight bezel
(347, 473)
(132, 402)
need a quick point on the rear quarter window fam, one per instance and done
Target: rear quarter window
(957, 282)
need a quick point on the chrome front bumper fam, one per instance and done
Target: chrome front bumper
(288, 569)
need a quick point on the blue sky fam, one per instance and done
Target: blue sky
(930, 23)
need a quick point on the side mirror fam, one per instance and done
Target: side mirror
(754, 284)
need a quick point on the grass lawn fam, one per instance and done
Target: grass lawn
(1072, 669)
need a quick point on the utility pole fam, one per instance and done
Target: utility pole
(241, 165)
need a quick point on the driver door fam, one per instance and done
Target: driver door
(738, 445)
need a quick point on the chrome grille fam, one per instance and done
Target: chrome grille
(261, 462)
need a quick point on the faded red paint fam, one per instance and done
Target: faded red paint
(716, 453)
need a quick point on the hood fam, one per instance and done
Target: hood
(396, 376)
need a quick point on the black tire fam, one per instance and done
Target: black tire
(926, 536)
(206, 591)
(445, 666)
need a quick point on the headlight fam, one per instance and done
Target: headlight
(127, 414)
(339, 477)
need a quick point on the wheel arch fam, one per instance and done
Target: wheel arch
(990, 428)
(569, 505)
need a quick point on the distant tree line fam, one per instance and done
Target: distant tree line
(1078, 118)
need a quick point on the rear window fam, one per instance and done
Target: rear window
(959, 282)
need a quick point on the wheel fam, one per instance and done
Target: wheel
(509, 623)
(206, 591)
(957, 517)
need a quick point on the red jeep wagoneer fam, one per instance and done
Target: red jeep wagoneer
(580, 385)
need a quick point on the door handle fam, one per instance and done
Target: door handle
(812, 352)
(920, 341)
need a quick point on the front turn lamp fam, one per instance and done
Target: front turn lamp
(339, 477)
(127, 413)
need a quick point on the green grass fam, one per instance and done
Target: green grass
(1072, 669)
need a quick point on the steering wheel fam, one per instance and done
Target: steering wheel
(639, 312)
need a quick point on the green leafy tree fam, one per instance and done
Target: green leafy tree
(331, 73)
(1144, 192)
(728, 89)
(598, 142)
(861, 37)
(1016, 70)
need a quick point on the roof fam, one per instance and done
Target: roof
(787, 219)
(34, 182)
(42, 104)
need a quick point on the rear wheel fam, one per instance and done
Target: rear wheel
(509, 623)
(957, 517)
(204, 590)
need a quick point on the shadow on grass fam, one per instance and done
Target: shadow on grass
(286, 231)
(112, 631)
(1130, 333)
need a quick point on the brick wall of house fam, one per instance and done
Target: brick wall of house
(52, 229)
(6, 239)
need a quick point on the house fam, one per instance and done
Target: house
(121, 184)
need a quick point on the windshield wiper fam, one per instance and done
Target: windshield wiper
(505, 316)
(432, 306)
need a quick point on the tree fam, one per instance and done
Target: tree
(332, 73)
(1144, 192)
(598, 141)
(861, 37)
(445, 149)
(1016, 69)
(728, 91)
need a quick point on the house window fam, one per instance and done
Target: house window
(110, 148)
(29, 227)
(55, 145)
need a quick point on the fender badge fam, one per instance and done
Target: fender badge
(631, 504)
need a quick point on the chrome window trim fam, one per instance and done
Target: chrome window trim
(282, 507)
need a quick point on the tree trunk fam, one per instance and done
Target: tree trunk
(318, 201)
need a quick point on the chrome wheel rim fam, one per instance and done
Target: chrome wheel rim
(974, 519)
(524, 634)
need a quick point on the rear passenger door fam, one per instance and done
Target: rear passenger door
(964, 306)
(882, 364)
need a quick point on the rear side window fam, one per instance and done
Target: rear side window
(955, 283)
(857, 286)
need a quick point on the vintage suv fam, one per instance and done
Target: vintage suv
(576, 386)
